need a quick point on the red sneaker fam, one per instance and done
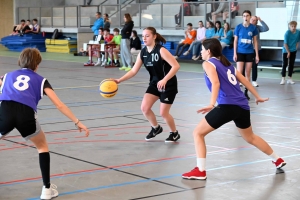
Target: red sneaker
(195, 174)
(89, 63)
(279, 163)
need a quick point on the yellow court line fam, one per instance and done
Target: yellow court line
(130, 83)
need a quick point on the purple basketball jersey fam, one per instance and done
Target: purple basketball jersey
(230, 92)
(23, 86)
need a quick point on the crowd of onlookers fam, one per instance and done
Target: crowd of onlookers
(26, 27)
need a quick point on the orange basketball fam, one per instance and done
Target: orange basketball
(108, 88)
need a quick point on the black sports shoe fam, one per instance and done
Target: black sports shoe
(173, 137)
(246, 94)
(154, 132)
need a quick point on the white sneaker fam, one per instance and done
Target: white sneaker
(290, 81)
(282, 81)
(241, 85)
(103, 64)
(49, 193)
(254, 83)
(175, 57)
(98, 63)
(186, 53)
(194, 57)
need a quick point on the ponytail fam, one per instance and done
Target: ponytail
(160, 39)
(225, 61)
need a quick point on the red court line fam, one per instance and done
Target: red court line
(60, 138)
(101, 135)
(121, 133)
(115, 166)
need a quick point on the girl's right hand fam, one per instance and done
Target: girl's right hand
(81, 127)
(234, 57)
(116, 80)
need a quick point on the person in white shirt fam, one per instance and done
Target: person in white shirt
(200, 37)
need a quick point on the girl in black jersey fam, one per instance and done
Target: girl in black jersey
(162, 68)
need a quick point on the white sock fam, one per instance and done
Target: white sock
(156, 126)
(99, 59)
(201, 164)
(116, 60)
(274, 156)
(105, 60)
(90, 58)
(102, 59)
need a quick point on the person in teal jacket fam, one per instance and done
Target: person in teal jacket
(218, 30)
(209, 33)
(97, 24)
(226, 36)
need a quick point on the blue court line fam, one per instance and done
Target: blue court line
(125, 167)
(165, 177)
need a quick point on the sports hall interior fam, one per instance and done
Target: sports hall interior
(115, 162)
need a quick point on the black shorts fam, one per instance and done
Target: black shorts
(19, 116)
(166, 97)
(223, 114)
(245, 57)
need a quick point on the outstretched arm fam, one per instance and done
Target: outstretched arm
(65, 110)
(137, 66)
(249, 86)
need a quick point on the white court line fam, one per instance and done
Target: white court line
(129, 83)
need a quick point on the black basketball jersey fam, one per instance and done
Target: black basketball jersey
(157, 67)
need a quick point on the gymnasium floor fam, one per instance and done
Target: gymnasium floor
(116, 163)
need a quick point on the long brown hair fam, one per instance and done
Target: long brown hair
(159, 39)
(128, 17)
(215, 48)
(30, 58)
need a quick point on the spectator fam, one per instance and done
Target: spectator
(36, 26)
(28, 27)
(214, 7)
(116, 40)
(261, 28)
(222, 8)
(199, 39)
(234, 10)
(18, 28)
(107, 22)
(218, 30)
(186, 12)
(289, 50)
(95, 48)
(209, 33)
(245, 36)
(125, 43)
(135, 45)
(190, 35)
(97, 24)
(226, 36)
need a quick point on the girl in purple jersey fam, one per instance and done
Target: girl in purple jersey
(223, 81)
(21, 91)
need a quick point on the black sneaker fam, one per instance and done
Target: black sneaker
(173, 137)
(154, 132)
(117, 64)
(246, 94)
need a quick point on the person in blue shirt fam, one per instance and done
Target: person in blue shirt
(289, 50)
(99, 23)
(22, 90)
(218, 30)
(209, 33)
(245, 40)
(226, 36)
(261, 28)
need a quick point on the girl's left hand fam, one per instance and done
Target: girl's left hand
(205, 109)
(256, 59)
(161, 85)
(261, 100)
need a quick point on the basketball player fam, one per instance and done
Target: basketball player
(162, 68)
(21, 91)
(245, 40)
(222, 79)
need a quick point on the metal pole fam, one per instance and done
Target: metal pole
(77, 23)
(120, 14)
(64, 17)
(182, 14)
(52, 17)
(161, 16)
(205, 11)
(28, 10)
(40, 19)
(229, 13)
(79, 16)
(140, 21)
